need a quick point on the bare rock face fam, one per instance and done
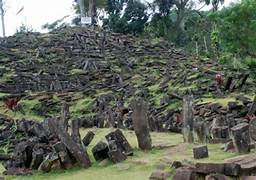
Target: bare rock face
(140, 124)
(241, 138)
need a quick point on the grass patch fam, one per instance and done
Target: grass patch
(139, 166)
(221, 101)
(76, 72)
(27, 106)
(81, 106)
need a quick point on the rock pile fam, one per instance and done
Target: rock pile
(236, 168)
(52, 62)
(110, 69)
(48, 146)
(44, 146)
(117, 149)
(216, 123)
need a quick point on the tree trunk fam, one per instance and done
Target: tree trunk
(82, 12)
(92, 11)
(197, 50)
(180, 22)
(2, 17)
(205, 46)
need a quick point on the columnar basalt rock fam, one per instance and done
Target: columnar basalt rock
(188, 118)
(120, 141)
(241, 138)
(140, 124)
(200, 152)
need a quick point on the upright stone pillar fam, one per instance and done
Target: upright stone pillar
(187, 114)
(140, 124)
(241, 138)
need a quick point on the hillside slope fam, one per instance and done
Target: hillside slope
(99, 73)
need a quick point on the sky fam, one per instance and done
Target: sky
(35, 14)
(38, 12)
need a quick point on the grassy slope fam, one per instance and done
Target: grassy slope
(139, 166)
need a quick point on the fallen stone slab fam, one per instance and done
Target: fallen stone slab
(37, 158)
(18, 172)
(208, 168)
(185, 173)
(100, 151)
(216, 177)
(121, 141)
(47, 164)
(232, 169)
(65, 159)
(229, 169)
(247, 163)
(88, 138)
(159, 175)
(248, 178)
(116, 156)
(200, 152)
(176, 164)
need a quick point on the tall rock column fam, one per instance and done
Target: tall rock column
(241, 138)
(140, 123)
(187, 114)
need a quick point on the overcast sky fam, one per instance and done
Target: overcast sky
(38, 12)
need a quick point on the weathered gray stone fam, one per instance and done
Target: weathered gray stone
(216, 177)
(159, 175)
(120, 141)
(100, 151)
(185, 173)
(187, 113)
(140, 124)
(252, 129)
(200, 152)
(88, 138)
(116, 156)
(241, 138)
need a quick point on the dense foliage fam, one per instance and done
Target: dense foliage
(129, 19)
(237, 27)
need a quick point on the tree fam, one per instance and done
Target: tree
(2, 16)
(82, 10)
(88, 8)
(132, 20)
(237, 28)
(172, 16)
